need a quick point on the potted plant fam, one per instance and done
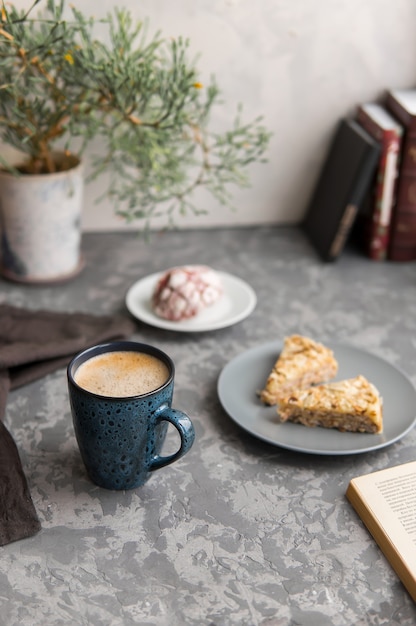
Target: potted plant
(137, 100)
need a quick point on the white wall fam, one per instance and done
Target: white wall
(301, 64)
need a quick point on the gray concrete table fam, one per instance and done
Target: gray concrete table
(239, 531)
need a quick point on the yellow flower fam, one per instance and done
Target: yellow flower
(68, 57)
(198, 85)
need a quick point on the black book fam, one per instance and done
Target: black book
(344, 181)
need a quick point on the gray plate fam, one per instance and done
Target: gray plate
(242, 377)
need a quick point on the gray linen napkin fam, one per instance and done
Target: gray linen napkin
(33, 344)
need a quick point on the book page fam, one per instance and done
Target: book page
(390, 495)
(400, 495)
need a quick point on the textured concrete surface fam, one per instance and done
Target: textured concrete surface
(239, 532)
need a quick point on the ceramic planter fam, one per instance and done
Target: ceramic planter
(40, 225)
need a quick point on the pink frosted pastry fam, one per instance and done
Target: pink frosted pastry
(182, 292)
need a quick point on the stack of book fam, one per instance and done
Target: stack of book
(369, 180)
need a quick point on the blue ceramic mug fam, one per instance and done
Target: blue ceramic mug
(120, 421)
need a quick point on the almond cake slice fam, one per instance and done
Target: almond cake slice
(353, 405)
(301, 363)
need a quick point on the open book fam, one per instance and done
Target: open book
(386, 502)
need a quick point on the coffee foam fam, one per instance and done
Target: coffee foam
(121, 374)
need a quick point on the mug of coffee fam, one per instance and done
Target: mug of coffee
(121, 402)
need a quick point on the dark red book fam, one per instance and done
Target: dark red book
(402, 104)
(375, 225)
(342, 185)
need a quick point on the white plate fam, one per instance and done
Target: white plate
(242, 377)
(237, 302)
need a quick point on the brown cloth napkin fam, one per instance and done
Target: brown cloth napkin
(33, 344)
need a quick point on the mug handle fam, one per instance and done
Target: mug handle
(185, 428)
